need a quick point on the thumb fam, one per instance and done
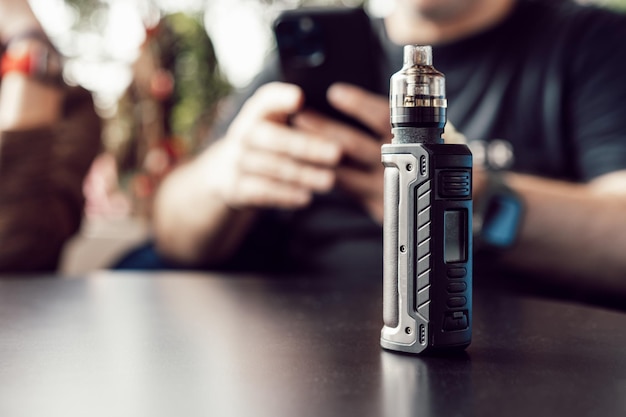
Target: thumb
(274, 100)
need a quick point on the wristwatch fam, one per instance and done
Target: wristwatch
(32, 54)
(498, 215)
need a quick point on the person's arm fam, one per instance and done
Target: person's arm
(572, 234)
(192, 223)
(49, 134)
(16, 18)
(26, 102)
(204, 208)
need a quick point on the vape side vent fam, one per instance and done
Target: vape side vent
(422, 335)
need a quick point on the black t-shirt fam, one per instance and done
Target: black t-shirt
(547, 85)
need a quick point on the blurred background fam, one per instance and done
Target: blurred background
(102, 38)
(157, 70)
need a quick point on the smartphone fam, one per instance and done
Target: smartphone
(320, 46)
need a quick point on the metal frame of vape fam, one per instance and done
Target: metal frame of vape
(427, 277)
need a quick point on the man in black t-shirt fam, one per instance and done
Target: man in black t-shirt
(537, 88)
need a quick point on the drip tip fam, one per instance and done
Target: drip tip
(417, 55)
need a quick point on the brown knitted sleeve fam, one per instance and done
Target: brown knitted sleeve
(41, 176)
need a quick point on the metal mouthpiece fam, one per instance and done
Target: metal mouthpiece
(418, 55)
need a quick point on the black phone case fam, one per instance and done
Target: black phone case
(320, 46)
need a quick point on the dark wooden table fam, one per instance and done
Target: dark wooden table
(217, 345)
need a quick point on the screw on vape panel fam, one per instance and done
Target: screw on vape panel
(427, 278)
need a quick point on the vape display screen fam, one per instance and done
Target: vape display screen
(455, 226)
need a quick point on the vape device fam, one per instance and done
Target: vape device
(427, 277)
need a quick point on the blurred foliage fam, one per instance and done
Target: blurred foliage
(615, 4)
(167, 110)
(89, 13)
(179, 113)
(187, 52)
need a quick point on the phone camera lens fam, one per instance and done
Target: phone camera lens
(306, 24)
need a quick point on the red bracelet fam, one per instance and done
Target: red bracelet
(36, 60)
(21, 63)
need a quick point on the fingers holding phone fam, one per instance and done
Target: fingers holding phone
(369, 109)
(263, 162)
(360, 173)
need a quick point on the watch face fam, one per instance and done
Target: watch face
(502, 221)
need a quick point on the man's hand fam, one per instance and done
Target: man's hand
(263, 162)
(361, 171)
(362, 175)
